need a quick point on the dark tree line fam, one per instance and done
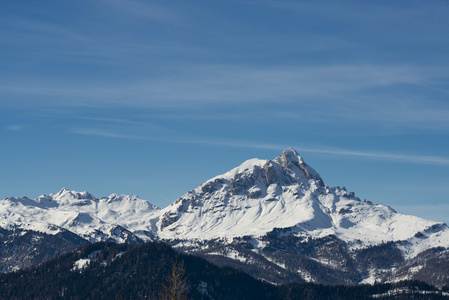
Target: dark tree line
(153, 270)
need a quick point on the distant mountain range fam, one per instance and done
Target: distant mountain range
(274, 219)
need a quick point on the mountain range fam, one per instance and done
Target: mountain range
(273, 219)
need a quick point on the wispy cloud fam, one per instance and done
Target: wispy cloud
(121, 128)
(383, 12)
(64, 42)
(365, 93)
(404, 158)
(215, 83)
(144, 9)
(418, 159)
(103, 133)
(15, 127)
(381, 156)
(130, 123)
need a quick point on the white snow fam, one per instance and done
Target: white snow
(306, 275)
(249, 200)
(374, 277)
(277, 263)
(229, 254)
(80, 264)
(218, 208)
(78, 212)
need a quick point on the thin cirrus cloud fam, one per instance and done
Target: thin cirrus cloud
(397, 157)
(361, 12)
(47, 38)
(144, 10)
(415, 159)
(214, 83)
(236, 83)
(15, 127)
(103, 133)
(348, 92)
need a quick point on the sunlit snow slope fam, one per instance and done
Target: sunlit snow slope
(261, 195)
(115, 217)
(250, 200)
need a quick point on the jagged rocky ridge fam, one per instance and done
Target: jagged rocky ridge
(274, 219)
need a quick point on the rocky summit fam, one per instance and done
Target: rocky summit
(274, 219)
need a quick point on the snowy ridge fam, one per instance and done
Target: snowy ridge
(253, 206)
(251, 199)
(81, 213)
(261, 195)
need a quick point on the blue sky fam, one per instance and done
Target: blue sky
(154, 97)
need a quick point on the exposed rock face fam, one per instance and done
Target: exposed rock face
(24, 248)
(275, 219)
(279, 181)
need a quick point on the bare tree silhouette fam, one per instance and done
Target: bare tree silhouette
(176, 286)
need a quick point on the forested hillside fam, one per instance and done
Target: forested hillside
(123, 271)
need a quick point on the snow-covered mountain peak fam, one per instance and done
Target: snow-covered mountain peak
(118, 198)
(287, 168)
(124, 202)
(263, 211)
(68, 195)
(246, 167)
(290, 155)
(261, 195)
(291, 160)
(265, 193)
(83, 214)
(63, 191)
